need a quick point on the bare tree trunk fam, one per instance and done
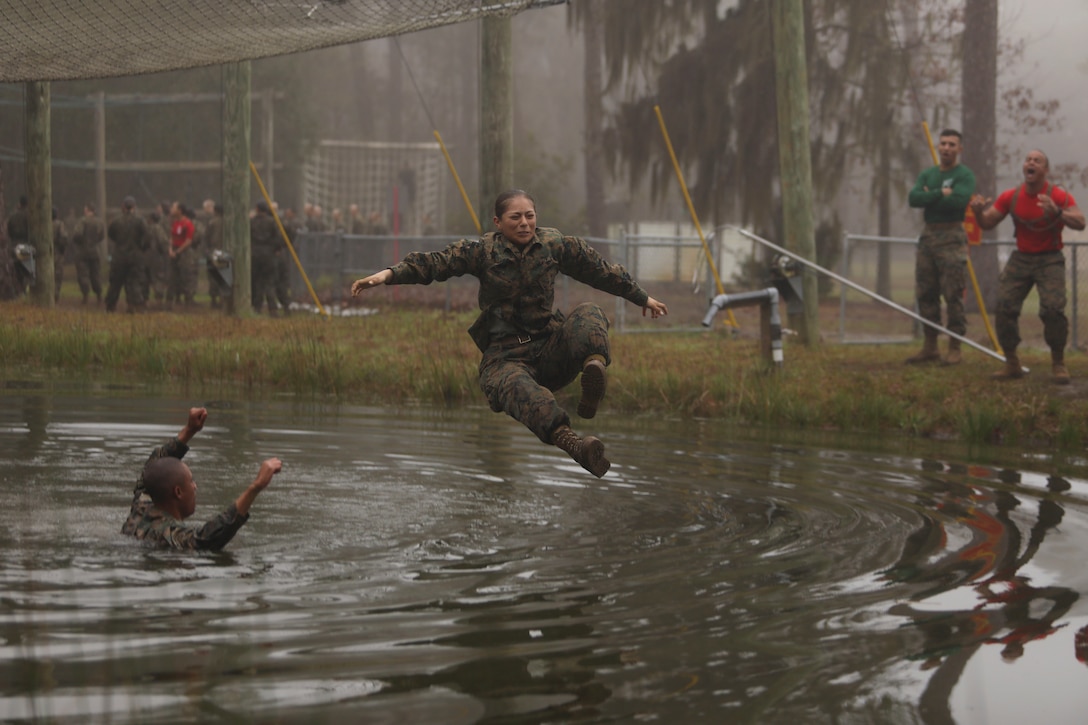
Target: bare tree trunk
(979, 95)
(594, 119)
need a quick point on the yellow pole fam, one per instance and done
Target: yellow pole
(460, 186)
(283, 233)
(970, 267)
(691, 210)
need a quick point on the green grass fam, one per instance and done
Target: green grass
(405, 357)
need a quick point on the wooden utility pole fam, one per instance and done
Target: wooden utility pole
(7, 266)
(794, 155)
(496, 113)
(236, 136)
(979, 95)
(100, 168)
(593, 42)
(39, 190)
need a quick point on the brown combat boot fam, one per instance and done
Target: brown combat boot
(594, 382)
(588, 451)
(1011, 371)
(929, 351)
(953, 357)
(1059, 375)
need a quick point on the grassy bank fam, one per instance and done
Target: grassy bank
(409, 357)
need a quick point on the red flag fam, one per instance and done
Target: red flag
(970, 225)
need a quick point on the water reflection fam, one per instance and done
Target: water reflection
(971, 542)
(441, 566)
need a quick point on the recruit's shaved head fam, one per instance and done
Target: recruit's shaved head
(161, 476)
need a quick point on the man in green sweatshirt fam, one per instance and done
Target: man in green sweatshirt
(940, 270)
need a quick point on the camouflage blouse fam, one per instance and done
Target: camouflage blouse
(517, 285)
(151, 525)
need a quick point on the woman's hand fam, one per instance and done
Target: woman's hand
(657, 309)
(360, 285)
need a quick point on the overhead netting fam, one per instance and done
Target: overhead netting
(44, 40)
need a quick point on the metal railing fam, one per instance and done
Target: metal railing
(859, 262)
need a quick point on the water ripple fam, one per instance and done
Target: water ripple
(443, 566)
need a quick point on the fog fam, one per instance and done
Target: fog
(375, 91)
(1056, 66)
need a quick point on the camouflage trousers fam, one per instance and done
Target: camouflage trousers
(263, 280)
(182, 277)
(58, 275)
(1045, 272)
(283, 278)
(88, 273)
(126, 272)
(940, 271)
(520, 380)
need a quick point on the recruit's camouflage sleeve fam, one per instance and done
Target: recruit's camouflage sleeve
(148, 524)
(154, 527)
(585, 264)
(129, 235)
(19, 226)
(264, 235)
(89, 234)
(517, 286)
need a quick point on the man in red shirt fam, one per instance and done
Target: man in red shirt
(182, 280)
(1039, 210)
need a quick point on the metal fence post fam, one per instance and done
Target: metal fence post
(337, 276)
(844, 272)
(1075, 296)
(620, 308)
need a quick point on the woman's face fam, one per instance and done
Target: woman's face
(518, 221)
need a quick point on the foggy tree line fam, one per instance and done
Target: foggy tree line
(875, 70)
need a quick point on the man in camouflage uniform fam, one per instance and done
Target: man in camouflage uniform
(156, 271)
(940, 270)
(530, 350)
(129, 238)
(356, 222)
(165, 495)
(1039, 210)
(88, 235)
(60, 248)
(264, 243)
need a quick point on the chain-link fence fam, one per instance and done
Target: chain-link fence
(674, 269)
(864, 319)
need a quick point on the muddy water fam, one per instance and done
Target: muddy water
(433, 566)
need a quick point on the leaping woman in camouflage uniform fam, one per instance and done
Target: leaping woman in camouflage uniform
(530, 350)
